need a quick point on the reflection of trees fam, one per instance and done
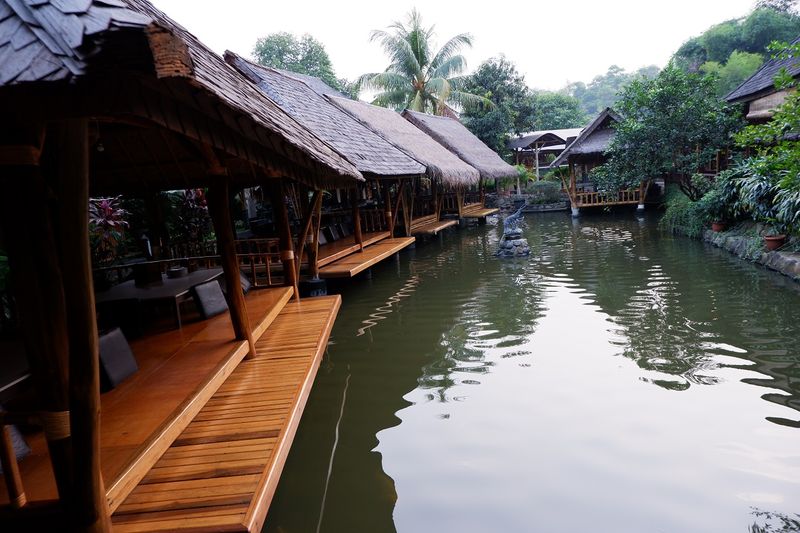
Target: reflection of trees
(678, 305)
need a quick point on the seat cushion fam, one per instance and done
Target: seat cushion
(117, 362)
(209, 299)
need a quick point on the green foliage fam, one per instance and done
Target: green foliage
(498, 80)
(671, 126)
(419, 78)
(682, 215)
(771, 20)
(556, 111)
(543, 192)
(305, 55)
(107, 226)
(739, 67)
(191, 223)
(604, 90)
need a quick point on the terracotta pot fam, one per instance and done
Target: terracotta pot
(718, 226)
(774, 241)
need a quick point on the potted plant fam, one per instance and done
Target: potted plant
(715, 208)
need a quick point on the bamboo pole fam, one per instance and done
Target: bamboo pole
(307, 220)
(219, 207)
(357, 236)
(39, 295)
(16, 492)
(89, 508)
(387, 200)
(281, 214)
(313, 250)
(399, 202)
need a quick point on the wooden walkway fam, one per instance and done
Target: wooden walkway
(179, 370)
(479, 212)
(432, 226)
(358, 262)
(221, 472)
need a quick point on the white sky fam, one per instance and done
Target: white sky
(552, 43)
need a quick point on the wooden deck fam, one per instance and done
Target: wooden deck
(358, 262)
(221, 472)
(179, 370)
(333, 251)
(432, 227)
(478, 211)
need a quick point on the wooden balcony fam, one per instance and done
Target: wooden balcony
(600, 199)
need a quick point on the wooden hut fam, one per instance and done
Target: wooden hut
(381, 163)
(586, 152)
(537, 149)
(445, 172)
(451, 134)
(758, 92)
(106, 97)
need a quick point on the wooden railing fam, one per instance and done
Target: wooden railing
(627, 196)
(424, 206)
(373, 220)
(258, 258)
(450, 202)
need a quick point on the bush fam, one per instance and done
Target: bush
(683, 215)
(544, 192)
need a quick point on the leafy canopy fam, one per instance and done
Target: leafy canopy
(305, 55)
(738, 67)
(604, 90)
(419, 77)
(672, 125)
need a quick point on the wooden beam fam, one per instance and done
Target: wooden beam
(220, 211)
(281, 216)
(307, 220)
(89, 507)
(313, 251)
(400, 188)
(387, 205)
(8, 459)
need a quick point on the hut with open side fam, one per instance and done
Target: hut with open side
(537, 149)
(586, 152)
(758, 92)
(451, 134)
(446, 173)
(381, 163)
(109, 97)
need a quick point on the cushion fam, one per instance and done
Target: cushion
(209, 299)
(117, 362)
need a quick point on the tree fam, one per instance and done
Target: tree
(781, 6)
(671, 126)
(739, 67)
(305, 55)
(604, 90)
(417, 77)
(766, 25)
(498, 80)
(554, 111)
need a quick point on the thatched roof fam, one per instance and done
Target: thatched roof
(61, 43)
(455, 137)
(762, 82)
(544, 138)
(440, 162)
(594, 139)
(369, 152)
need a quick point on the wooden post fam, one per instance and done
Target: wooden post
(313, 250)
(8, 459)
(400, 201)
(460, 201)
(281, 215)
(387, 201)
(219, 207)
(307, 220)
(357, 237)
(38, 291)
(89, 507)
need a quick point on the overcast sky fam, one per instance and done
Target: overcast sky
(552, 43)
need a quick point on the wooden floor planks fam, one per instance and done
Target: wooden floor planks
(481, 212)
(221, 472)
(333, 251)
(358, 262)
(433, 227)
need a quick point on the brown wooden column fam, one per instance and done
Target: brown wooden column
(387, 206)
(25, 214)
(313, 250)
(220, 211)
(460, 203)
(281, 215)
(358, 238)
(89, 506)
(308, 219)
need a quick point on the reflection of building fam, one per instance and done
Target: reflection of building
(758, 92)
(584, 154)
(537, 149)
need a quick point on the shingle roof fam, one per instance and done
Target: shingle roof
(458, 139)
(441, 163)
(763, 80)
(595, 138)
(55, 40)
(369, 152)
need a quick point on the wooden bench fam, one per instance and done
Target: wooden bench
(430, 225)
(477, 210)
(221, 473)
(333, 251)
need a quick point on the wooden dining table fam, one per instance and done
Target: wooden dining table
(172, 290)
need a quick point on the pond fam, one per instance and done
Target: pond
(619, 379)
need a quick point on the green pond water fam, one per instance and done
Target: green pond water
(619, 379)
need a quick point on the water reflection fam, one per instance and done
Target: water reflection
(613, 380)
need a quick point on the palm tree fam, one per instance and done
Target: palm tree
(416, 78)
